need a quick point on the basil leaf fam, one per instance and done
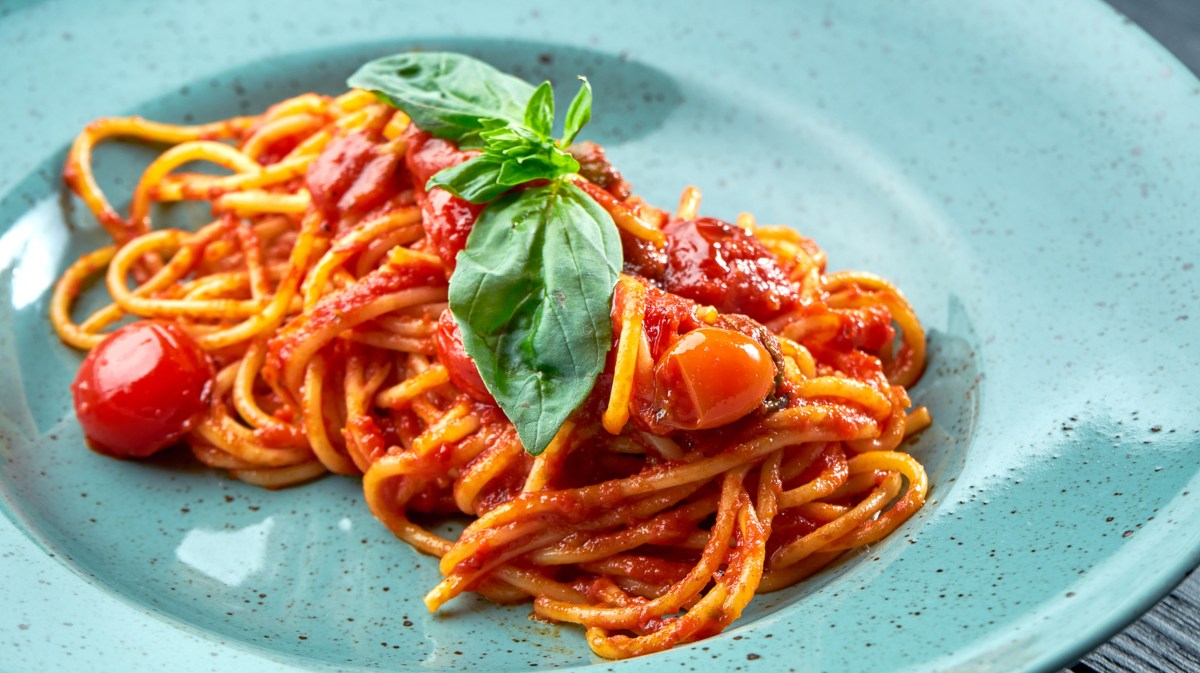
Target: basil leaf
(512, 155)
(448, 95)
(515, 172)
(539, 112)
(579, 113)
(490, 174)
(532, 293)
(477, 180)
(501, 138)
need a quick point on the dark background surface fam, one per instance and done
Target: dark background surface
(1168, 637)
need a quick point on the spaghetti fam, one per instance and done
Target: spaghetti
(318, 292)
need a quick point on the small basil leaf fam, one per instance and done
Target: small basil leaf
(515, 172)
(564, 162)
(509, 135)
(532, 294)
(476, 180)
(539, 112)
(579, 113)
(535, 167)
(448, 95)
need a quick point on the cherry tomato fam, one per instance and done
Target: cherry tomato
(711, 377)
(453, 355)
(142, 389)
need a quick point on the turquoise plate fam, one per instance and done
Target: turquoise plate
(1027, 171)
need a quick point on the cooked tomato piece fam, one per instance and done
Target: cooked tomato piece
(427, 155)
(352, 175)
(642, 258)
(333, 172)
(142, 389)
(375, 184)
(717, 263)
(712, 377)
(667, 316)
(453, 355)
(448, 220)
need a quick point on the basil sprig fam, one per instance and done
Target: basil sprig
(532, 289)
(513, 153)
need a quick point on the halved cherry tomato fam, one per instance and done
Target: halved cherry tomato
(142, 389)
(712, 377)
(453, 355)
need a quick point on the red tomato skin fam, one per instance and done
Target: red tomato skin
(334, 171)
(142, 389)
(453, 355)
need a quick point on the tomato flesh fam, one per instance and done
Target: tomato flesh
(712, 377)
(142, 389)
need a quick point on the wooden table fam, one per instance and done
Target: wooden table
(1167, 638)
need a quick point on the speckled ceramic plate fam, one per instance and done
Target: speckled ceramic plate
(1026, 170)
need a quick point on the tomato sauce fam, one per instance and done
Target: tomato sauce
(281, 435)
(333, 308)
(651, 569)
(868, 328)
(366, 434)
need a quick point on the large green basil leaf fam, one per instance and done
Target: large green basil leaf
(446, 94)
(532, 293)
